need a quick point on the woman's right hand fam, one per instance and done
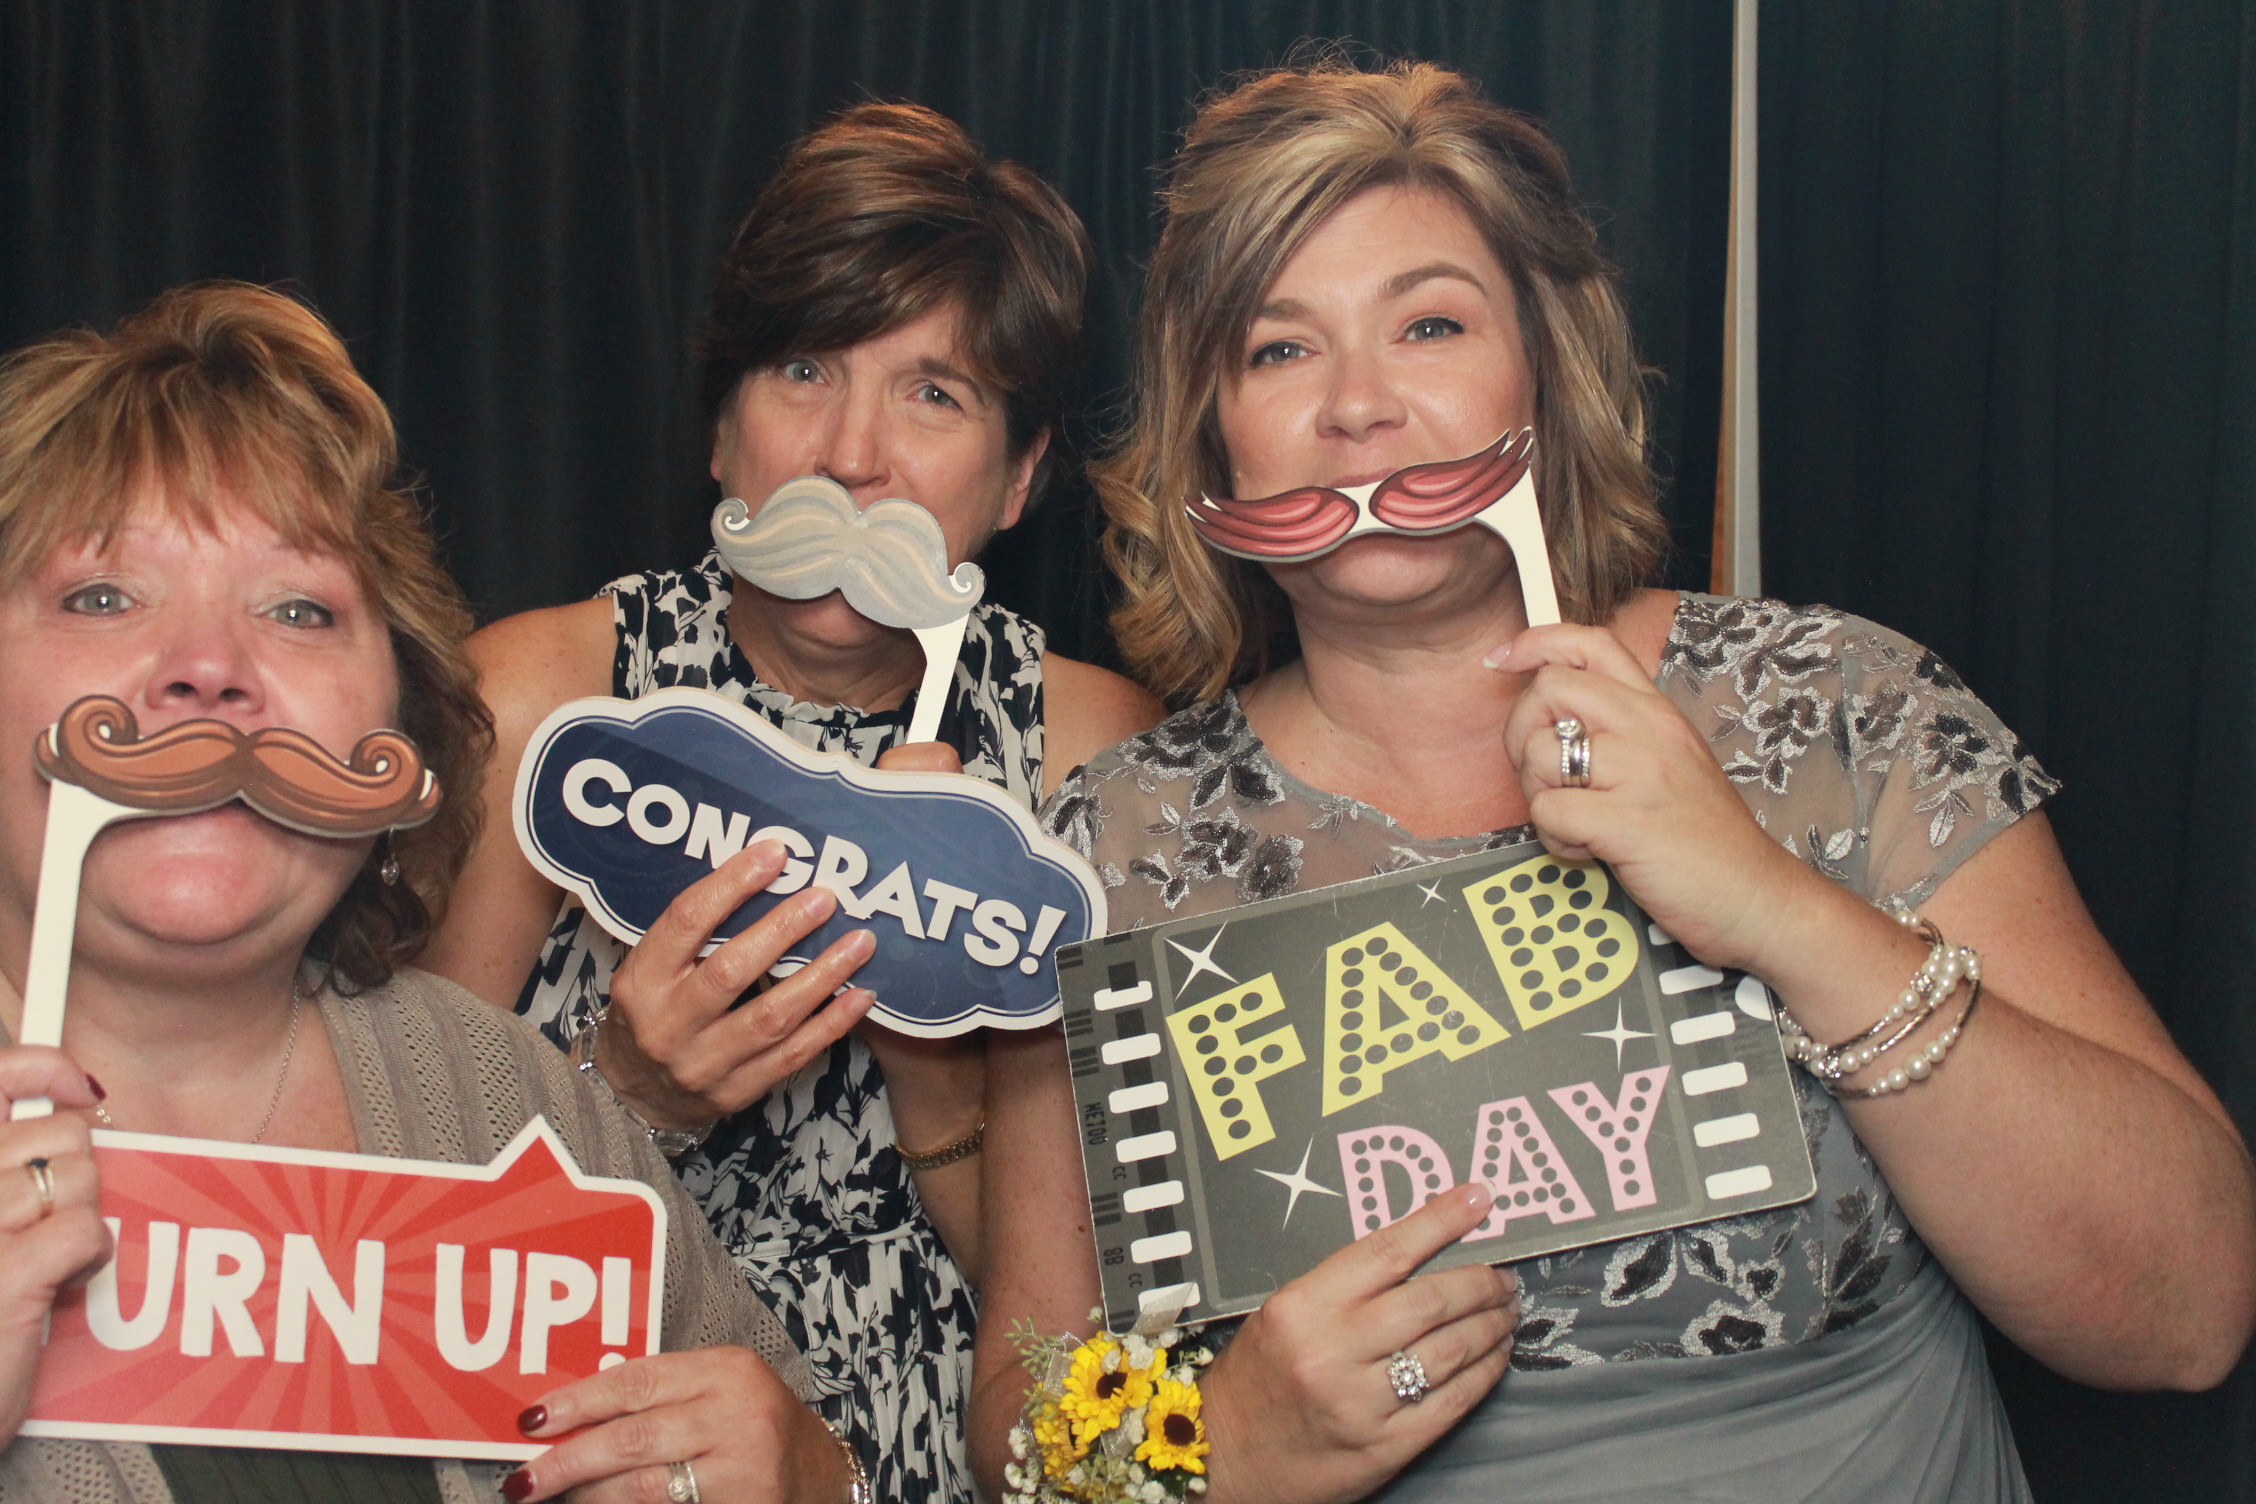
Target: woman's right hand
(1299, 1408)
(42, 1250)
(675, 1046)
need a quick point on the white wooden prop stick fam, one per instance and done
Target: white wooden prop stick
(890, 559)
(100, 770)
(1494, 488)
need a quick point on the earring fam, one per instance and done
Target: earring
(387, 871)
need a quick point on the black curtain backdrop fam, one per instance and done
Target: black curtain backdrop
(512, 211)
(2009, 356)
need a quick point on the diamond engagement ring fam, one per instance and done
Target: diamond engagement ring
(1574, 753)
(1408, 1376)
(681, 1483)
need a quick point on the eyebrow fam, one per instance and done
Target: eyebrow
(1402, 282)
(940, 370)
(1394, 287)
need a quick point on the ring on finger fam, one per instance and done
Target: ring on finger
(43, 1181)
(681, 1483)
(1574, 752)
(1408, 1376)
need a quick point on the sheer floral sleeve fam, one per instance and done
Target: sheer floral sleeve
(1861, 751)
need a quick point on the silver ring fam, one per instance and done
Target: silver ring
(1408, 1376)
(681, 1483)
(1574, 753)
(43, 1181)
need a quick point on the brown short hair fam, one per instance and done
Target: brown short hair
(882, 215)
(1261, 167)
(231, 388)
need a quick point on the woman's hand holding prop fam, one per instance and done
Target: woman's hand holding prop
(890, 559)
(1656, 807)
(51, 1232)
(101, 770)
(1353, 1369)
(713, 1425)
(676, 1046)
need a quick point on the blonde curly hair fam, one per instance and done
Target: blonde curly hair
(1261, 167)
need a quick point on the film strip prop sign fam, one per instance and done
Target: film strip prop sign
(1261, 1086)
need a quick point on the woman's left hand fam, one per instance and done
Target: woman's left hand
(1657, 810)
(721, 1410)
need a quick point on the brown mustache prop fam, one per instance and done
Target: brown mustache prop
(285, 775)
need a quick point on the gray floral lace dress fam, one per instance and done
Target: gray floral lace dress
(1858, 750)
(805, 1188)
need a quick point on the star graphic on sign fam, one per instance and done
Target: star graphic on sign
(1432, 891)
(1299, 1182)
(1619, 1035)
(1201, 960)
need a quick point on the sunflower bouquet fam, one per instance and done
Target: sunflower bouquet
(1112, 1420)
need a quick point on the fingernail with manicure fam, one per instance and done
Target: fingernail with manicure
(95, 1087)
(533, 1419)
(1476, 1195)
(1497, 657)
(516, 1486)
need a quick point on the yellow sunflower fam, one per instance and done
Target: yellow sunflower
(1103, 1385)
(1174, 1436)
(1060, 1447)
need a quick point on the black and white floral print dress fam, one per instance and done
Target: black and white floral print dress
(805, 1188)
(1858, 750)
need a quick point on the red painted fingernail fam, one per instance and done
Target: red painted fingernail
(533, 1419)
(516, 1486)
(95, 1087)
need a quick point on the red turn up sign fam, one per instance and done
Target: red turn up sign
(343, 1302)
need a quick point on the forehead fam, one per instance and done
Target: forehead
(159, 525)
(935, 335)
(1383, 234)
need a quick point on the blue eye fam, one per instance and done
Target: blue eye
(97, 600)
(800, 369)
(937, 396)
(1433, 326)
(301, 612)
(1276, 352)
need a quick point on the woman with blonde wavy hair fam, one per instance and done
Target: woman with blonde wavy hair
(1363, 272)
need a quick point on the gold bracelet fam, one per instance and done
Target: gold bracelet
(948, 1154)
(858, 1490)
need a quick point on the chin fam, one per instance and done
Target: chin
(1389, 571)
(205, 880)
(828, 622)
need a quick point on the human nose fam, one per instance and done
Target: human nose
(1360, 398)
(205, 666)
(853, 444)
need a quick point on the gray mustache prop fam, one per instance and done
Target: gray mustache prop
(889, 559)
(809, 539)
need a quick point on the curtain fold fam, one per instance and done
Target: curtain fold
(513, 210)
(2009, 262)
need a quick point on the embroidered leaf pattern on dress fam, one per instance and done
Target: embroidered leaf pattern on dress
(1844, 740)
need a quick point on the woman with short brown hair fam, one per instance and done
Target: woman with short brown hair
(1362, 273)
(901, 315)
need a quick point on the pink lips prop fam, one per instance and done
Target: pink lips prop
(1418, 501)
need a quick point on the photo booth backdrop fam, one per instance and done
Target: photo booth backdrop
(2009, 406)
(2009, 330)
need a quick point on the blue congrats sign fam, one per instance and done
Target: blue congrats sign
(625, 803)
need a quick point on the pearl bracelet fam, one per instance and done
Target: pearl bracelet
(1937, 978)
